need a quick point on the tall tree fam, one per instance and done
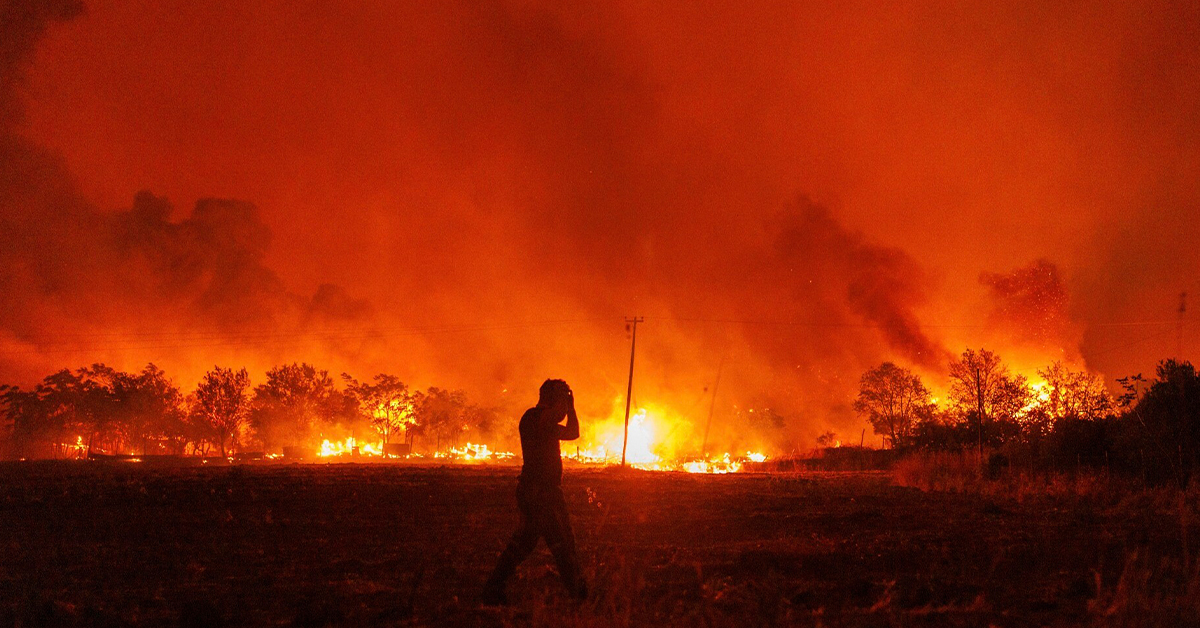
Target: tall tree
(386, 403)
(221, 407)
(294, 399)
(982, 390)
(1163, 424)
(31, 421)
(64, 408)
(893, 399)
(149, 405)
(480, 419)
(441, 411)
(1073, 394)
(87, 404)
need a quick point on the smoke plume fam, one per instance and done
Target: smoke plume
(498, 184)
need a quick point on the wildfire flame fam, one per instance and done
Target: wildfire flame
(329, 449)
(606, 444)
(474, 452)
(646, 448)
(350, 446)
(353, 447)
(723, 465)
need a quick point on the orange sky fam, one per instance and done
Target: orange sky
(483, 163)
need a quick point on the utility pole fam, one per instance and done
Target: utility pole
(629, 391)
(711, 407)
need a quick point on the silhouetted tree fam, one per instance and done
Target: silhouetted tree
(893, 400)
(1163, 424)
(221, 407)
(386, 403)
(983, 391)
(294, 399)
(441, 412)
(1073, 394)
(65, 407)
(479, 418)
(80, 402)
(149, 405)
(1062, 422)
(31, 420)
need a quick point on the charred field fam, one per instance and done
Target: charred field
(346, 544)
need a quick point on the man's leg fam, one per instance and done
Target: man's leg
(561, 540)
(519, 547)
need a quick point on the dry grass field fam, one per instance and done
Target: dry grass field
(342, 544)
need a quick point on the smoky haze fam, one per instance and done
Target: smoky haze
(475, 194)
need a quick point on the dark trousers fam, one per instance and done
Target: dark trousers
(543, 516)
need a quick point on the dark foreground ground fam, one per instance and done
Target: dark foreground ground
(88, 544)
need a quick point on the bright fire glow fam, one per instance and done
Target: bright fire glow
(605, 446)
(1039, 395)
(474, 452)
(336, 449)
(723, 464)
(351, 447)
(648, 447)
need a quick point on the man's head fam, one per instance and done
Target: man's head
(555, 394)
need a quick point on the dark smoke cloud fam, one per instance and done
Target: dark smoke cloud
(880, 285)
(24, 24)
(77, 276)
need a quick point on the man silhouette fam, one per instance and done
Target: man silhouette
(539, 493)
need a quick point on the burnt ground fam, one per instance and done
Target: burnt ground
(313, 545)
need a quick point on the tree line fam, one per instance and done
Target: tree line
(1150, 428)
(101, 408)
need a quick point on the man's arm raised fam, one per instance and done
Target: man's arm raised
(570, 431)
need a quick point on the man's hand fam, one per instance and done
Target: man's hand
(570, 431)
